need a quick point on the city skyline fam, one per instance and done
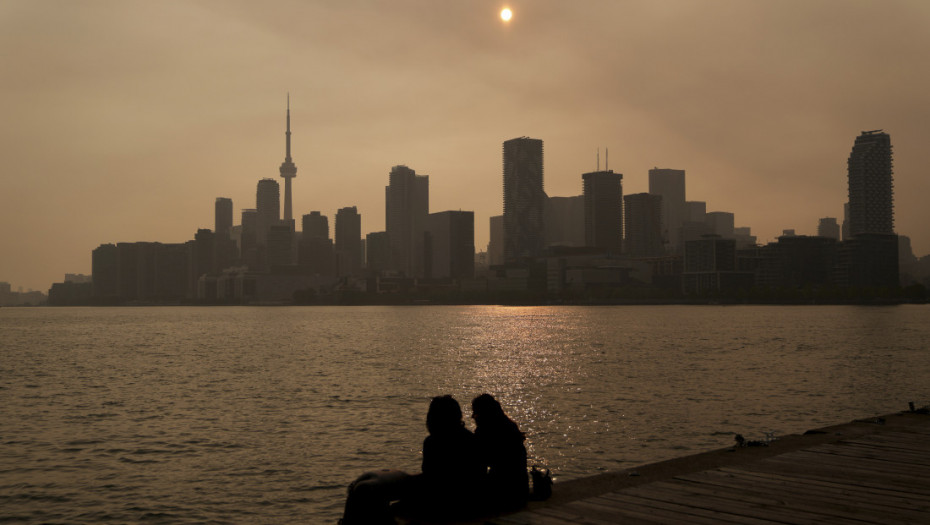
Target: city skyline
(135, 141)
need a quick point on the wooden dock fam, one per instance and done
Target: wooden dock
(868, 471)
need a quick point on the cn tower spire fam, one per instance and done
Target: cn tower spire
(288, 169)
(287, 155)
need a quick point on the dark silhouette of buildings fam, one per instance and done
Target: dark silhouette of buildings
(600, 245)
(288, 169)
(406, 207)
(603, 210)
(524, 199)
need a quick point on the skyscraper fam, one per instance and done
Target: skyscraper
(288, 169)
(348, 241)
(670, 184)
(406, 208)
(223, 212)
(643, 225)
(315, 225)
(871, 205)
(268, 203)
(496, 240)
(315, 250)
(524, 198)
(450, 246)
(603, 210)
(564, 220)
(249, 251)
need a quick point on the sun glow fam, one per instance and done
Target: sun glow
(506, 14)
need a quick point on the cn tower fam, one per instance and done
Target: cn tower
(288, 169)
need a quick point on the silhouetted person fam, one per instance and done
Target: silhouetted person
(452, 474)
(503, 454)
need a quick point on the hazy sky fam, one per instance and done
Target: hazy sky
(124, 120)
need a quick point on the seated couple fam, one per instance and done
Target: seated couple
(464, 474)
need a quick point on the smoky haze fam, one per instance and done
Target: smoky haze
(124, 121)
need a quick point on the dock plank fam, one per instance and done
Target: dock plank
(867, 471)
(654, 506)
(768, 507)
(812, 497)
(830, 488)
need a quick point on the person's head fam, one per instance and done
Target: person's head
(444, 414)
(487, 410)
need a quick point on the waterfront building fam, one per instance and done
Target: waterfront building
(314, 224)
(721, 223)
(868, 260)
(223, 217)
(524, 198)
(643, 225)
(280, 246)
(496, 240)
(871, 206)
(870, 256)
(829, 227)
(202, 260)
(710, 266)
(744, 237)
(450, 245)
(377, 253)
(695, 211)
(845, 227)
(104, 273)
(250, 252)
(348, 242)
(670, 184)
(268, 205)
(406, 208)
(805, 261)
(603, 210)
(564, 220)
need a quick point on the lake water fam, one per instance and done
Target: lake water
(238, 414)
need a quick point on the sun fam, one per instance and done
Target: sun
(506, 14)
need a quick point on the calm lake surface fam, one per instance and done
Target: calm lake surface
(238, 414)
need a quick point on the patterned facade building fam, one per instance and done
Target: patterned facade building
(524, 199)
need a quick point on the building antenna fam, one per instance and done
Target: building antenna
(606, 159)
(598, 160)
